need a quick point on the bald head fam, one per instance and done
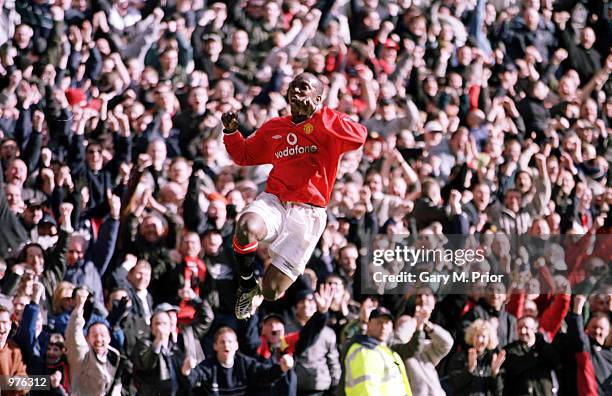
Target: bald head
(311, 79)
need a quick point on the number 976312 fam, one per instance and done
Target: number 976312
(29, 383)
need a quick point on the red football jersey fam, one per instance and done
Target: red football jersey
(305, 155)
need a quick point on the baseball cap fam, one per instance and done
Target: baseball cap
(390, 43)
(47, 219)
(303, 294)
(386, 102)
(75, 96)
(215, 196)
(508, 67)
(212, 37)
(433, 126)
(36, 202)
(165, 307)
(381, 311)
(273, 315)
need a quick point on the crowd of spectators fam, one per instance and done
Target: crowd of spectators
(118, 200)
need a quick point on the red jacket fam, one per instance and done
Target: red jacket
(577, 253)
(287, 345)
(194, 272)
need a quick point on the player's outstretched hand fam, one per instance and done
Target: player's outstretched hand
(230, 122)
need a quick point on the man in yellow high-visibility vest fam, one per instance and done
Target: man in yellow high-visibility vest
(373, 368)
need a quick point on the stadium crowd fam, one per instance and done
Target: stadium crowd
(119, 200)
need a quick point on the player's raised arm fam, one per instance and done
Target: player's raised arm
(352, 134)
(244, 152)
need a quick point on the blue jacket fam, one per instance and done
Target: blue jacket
(90, 270)
(33, 348)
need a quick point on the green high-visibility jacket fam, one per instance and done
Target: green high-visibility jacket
(374, 371)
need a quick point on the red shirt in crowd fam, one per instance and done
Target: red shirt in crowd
(305, 155)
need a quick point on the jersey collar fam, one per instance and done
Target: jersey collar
(307, 119)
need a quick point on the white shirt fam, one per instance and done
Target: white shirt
(142, 295)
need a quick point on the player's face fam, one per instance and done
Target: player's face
(303, 95)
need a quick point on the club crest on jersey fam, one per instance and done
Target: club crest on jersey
(308, 128)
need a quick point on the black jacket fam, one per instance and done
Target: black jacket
(246, 375)
(12, 233)
(120, 278)
(480, 382)
(147, 369)
(586, 62)
(534, 114)
(99, 182)
(528, 369)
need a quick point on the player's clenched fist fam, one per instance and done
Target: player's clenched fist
(230, 122)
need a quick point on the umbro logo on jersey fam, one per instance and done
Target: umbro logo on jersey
(276, 137)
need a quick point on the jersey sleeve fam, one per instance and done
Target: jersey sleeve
(351, 134)
(250, 151)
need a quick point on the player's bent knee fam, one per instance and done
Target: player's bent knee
(251, 226)
(270, 294)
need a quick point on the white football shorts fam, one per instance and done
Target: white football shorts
(293, 231)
